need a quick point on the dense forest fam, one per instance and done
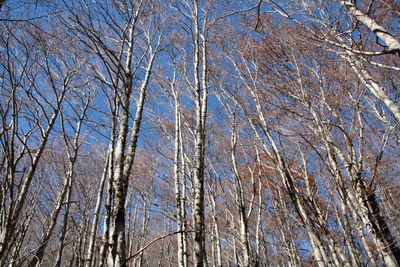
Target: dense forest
(199, 133)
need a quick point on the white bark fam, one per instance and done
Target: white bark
(106, 175)
(287, 179)
(124, 159)
(183, 200)
(107, 215)
(64, 228)
(200, 88)
(372, 85)
(259, 233)
(178, 179)
(392, 43)
(366, 206)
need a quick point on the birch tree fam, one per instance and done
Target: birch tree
(130, 44)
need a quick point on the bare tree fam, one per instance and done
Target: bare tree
(33, 105)
(123, 53)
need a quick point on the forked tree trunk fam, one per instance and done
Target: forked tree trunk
(124, 159)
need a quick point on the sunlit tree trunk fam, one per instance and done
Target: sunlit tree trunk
(372, 85)
(124, 159)
(201, 94)
(108, 163)
(344, 222)
(282, 215)
(107, 214)
(123, 165)
(392, 43)
(178, 178)
(259, 232)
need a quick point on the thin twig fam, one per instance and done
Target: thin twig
(154, 241)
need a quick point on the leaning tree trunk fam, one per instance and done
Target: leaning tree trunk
(372, 85)
(392, 43)
(37, 258)
(9, 224)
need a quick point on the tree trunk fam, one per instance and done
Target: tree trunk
(201, 110)
(392, 43)
(177, 179)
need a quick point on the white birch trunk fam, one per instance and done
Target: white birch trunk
(392, 43)
(183, 200)
(201, 110)
(107, 173)
(177, 180)
(124, 159)
(372, 85)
